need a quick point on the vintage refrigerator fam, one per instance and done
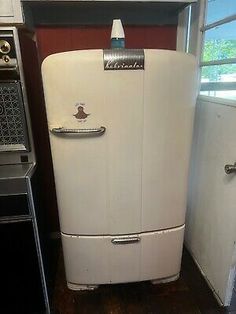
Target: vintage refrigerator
(120, 124)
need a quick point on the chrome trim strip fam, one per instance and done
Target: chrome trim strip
(38, 245)
(15, 219)
(12, 147)
(178, 227)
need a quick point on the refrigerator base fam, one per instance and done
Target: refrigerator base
(91, 261)
(165, 280)
(76, 287)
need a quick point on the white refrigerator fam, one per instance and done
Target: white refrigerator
(120, 124)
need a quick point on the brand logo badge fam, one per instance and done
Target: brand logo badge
(123, 59)
(81, 114)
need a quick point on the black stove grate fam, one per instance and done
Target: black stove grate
(13, 134)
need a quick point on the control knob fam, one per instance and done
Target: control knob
(5, 47)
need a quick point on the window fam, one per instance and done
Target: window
(218, 62)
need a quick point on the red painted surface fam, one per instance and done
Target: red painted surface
(58, 39)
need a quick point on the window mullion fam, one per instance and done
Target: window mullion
(228, 19)
(218, 62)
(218, 86)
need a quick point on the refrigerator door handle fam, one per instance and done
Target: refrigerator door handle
(80, 132)
(128, 240)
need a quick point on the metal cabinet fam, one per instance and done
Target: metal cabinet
(23, 259)
(81, 12)
(11, 12)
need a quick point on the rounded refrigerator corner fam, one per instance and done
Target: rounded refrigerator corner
(165, 280)
(77, 287)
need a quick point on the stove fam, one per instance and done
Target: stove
(20, 214)
(15, 129)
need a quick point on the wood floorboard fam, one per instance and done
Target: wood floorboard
(190, 294)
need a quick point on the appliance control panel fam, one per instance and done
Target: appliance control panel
(7, 50)
(13, 126)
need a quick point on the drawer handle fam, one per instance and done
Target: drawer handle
(129, 240)
(82, 132)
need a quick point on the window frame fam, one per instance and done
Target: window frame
(203, 28)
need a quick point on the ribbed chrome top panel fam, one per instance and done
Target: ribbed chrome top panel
(123, 59)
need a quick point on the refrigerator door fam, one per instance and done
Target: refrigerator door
(132, 178)
(98, 178)
(92, 260)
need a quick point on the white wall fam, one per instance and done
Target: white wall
(211, 214)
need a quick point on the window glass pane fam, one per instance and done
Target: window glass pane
(220, 94)
(219, 9)
(219, 73)
(220, 42)
(219, 81)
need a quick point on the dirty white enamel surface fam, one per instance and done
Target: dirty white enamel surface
(96, 260)
(134, 177)
(132, 180)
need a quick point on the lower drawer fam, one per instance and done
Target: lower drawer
(94, 260)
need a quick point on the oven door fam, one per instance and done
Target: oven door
(13, 129)
(21, 290)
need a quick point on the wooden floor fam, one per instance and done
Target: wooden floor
(190, 294)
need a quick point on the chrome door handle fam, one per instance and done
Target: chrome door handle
(230, 168)
(81, 132)
(128, 240)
